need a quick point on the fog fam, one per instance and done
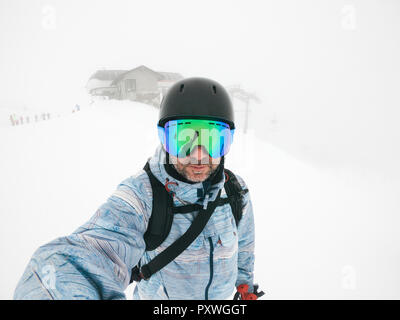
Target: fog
(327, 77)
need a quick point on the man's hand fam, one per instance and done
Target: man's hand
(244, 294)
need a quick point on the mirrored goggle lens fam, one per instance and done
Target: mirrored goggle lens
(181, 137)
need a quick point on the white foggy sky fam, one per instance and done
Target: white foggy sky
(247, 41)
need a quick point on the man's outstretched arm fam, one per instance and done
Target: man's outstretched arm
(95, 261)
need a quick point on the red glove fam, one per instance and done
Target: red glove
(244, 294)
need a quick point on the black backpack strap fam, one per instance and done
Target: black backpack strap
(174, 250)
(189, 208)
(161, 216)
(235, 193)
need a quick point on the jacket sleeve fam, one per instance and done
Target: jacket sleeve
(95, 261)
(246, 232)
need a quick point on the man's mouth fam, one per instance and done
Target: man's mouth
(198, 168)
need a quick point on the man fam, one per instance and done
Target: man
(182, 228)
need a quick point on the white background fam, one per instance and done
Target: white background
(321, 156)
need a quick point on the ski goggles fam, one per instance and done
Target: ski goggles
(180, 137)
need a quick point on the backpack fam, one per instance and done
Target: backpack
(162, 216)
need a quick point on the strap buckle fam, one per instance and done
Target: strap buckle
(137, 275)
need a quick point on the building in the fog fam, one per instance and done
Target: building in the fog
(99, 84)
(139, 84)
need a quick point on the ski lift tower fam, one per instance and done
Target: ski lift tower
(237, 92)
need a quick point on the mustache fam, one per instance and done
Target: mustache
(196, 161)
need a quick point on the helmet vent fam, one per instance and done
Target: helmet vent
(182, 88)
(214, 89)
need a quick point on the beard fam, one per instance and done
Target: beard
(196, 171)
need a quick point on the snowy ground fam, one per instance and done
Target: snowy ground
(321, 233)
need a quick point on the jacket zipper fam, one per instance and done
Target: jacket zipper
(211, 266)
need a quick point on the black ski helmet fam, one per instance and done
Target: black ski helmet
(197, 98)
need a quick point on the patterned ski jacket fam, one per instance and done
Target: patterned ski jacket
(95, 261)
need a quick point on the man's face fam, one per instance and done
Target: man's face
(198, 166)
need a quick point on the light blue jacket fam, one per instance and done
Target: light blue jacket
(95, 261)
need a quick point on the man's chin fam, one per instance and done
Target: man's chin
(197, 177)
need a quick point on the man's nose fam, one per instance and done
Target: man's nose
(200, 154)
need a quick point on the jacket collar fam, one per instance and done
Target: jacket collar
(186, 191)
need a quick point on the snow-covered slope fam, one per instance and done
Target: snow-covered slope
(56, 173)
(319, 234)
